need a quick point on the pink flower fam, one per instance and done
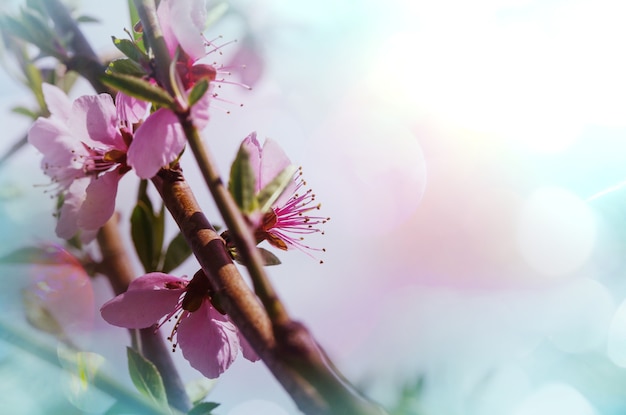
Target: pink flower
(207, 338)
(60, 287)
(286, 223)
(161, 138)
(84, 147)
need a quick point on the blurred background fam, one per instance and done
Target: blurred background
(471, 157)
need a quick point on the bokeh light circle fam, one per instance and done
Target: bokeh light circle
(555, 398)
(377, 166)
(556, 231)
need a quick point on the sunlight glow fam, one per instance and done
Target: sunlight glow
(556, 231)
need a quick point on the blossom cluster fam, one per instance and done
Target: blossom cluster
(90, 143)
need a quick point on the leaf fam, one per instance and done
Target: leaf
(198, 91)
(142, 233)
(39, 316)
(203, 408)
(16, 28)
(125, 66)
(87, 19)
(198, 389)
(177, 252)
(268, 257)
(218, 11)
(134, 19)
(131, 50)
(50, 254)
(119, 408)
(25, 111)
(242, 182)
(138, 88)
(77, 380)
(146, 377)
(272, 191)
(158, 226)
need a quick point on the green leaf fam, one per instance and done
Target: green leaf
(25, 111)
(203, 408)
(216, 12)
(119, 408)
(131, 50)
(134, 19)
(268, 257)
(17, 28)
(272, 191)
(146, 377)
(125, 66)
(138, 88)
(80, 370)
(142, 233)
(158, 226)
(39, 316)
(36, 30)
(87, 19)
(49, 254)
(242, 182)
(198, 389)
(177, 252)
(34, 81)
(199, 89)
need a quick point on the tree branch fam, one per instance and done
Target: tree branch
(288, 350)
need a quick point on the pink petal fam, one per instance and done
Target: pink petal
(187, 23)
(165, 20)
(99, 203)
(65, 291)
(156, 281)
(208, 340)
(248, 351)
(273, 161)
(145, 303)
(61, 151)
(57, 101)
(94, 120)
(248, 61)
(130, 109)
(67, 226)
(200, 110)
(252, 146)
(158, 141)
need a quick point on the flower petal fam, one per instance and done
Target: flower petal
(145, 303)
(130, 109)
(252, 146)
(187, 23)
(94, 121)
(200, 110)
(273, 161)
(248, 351)
(99, 203)
(57, 101)
(208, 340)
(165, 19)
(62, 153)
(157, 142)
(67, 226)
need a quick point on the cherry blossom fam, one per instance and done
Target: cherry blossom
(288, 220)
(84, 145)
(207, 338)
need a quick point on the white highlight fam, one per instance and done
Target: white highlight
(556, 231)
(606, 191)
(616, 341)
(555, 398)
